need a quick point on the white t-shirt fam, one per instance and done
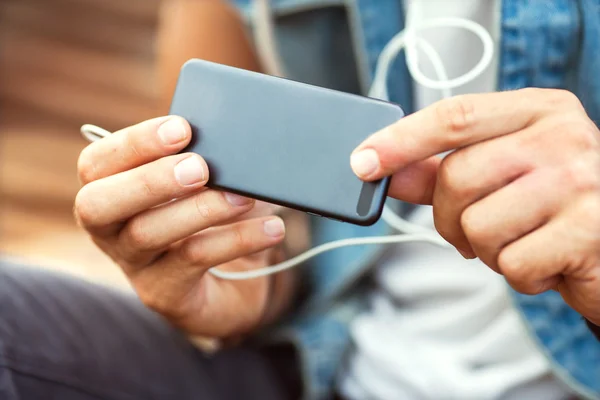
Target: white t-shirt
(441, 327)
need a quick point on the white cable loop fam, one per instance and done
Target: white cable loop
(445, 83)
(388, 55)
(407, 39)
(264, 36)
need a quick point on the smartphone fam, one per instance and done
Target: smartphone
(282, 141)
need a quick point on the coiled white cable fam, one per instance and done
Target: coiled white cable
(407, 39)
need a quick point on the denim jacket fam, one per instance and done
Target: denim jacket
(336, 44)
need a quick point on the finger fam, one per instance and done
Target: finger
(179, 271)
(132, 147)
(416, 182)
(567, 247)
(259, 209)
(515, 210)
(450, 124)
(145, 235)
(221, 244)
(263, 209)
(502, 158)
(469, 175)
(102, 206)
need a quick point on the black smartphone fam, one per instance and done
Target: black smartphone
(282, 141)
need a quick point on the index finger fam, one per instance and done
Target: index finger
(132, 147)
(446, 125)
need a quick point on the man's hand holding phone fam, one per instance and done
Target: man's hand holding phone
(147, 207)
(521, 191)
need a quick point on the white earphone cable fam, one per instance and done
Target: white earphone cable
(315, 251)
(407, 39)
(93, 133)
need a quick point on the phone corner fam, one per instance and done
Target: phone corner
(369, 219)
(377, 205)
(398, 111)
(189, 63)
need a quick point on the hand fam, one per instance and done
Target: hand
(521, 191)
(147, 208)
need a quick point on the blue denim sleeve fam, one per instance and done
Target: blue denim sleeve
(594, 328)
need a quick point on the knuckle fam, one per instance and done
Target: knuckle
(442, 227)
(452, 176)
(589, 212)
(587, 136)
(455, 115)
(446, 172)
(443, 230)
(203, 207)
(561, 97)
(582, 176)
(137, 236)
(509, 263)
(86, 169)
(131, 143)
(474, 226)
(529, 288)
(239, 238)
(192, 254)
(552, 99)
(84, 208)
(147, 186)
(533, 94)
(593, 207)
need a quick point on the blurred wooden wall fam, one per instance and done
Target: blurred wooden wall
(64, 63)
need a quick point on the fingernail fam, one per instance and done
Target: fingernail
(467, 254)
(364, 163)
(274, 227)
(237, 200)
(172, 131)
(190, 171)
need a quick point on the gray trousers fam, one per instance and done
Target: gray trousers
(63, 338)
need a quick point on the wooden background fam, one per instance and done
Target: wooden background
(64, 63)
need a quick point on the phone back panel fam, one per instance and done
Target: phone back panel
(282, 141)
